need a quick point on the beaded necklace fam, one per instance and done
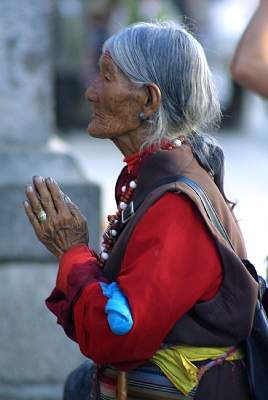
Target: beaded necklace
(110, 234)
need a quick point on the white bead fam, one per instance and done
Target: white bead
(123, 189)
(177, 142)
(113, 232)
(104, 255)
(133, 184)
(122, 205)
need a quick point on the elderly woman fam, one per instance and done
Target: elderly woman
(167, 300)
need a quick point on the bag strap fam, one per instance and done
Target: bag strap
(208, 206)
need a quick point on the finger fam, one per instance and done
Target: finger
(73, 208)
(33, 199)
(57, 196)
(44, 195)
(31, 216)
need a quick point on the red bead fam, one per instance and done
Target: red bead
(109, 241)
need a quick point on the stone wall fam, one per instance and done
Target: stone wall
(36, 356)
(26, 104)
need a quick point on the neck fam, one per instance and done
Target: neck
(130, 143)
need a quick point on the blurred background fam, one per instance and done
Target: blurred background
(81, 28)
(49, 54)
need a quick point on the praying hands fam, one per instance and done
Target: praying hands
(56, 220)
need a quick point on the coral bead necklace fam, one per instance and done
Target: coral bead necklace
(111, 233)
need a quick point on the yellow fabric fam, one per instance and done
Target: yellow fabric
(176, 363)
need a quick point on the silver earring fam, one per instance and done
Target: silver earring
(142, 116)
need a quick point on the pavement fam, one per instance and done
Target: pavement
(246, 174)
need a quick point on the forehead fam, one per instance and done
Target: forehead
(107, 62)
(106, 56)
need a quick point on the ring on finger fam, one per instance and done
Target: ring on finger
(41, 216)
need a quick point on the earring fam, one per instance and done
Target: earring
(142, 116)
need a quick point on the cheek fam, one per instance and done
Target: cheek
(121, 113)
(116, 111)
(124, 107)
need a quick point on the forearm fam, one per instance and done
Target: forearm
(250, 63)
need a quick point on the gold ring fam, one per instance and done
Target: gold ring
(41, 216)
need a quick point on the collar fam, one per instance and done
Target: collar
(134, 160)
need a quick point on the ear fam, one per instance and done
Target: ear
(152, 99)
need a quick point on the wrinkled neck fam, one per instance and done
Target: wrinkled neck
(131, 142)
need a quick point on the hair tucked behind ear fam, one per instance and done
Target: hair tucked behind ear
(210, 156)
(166, 54)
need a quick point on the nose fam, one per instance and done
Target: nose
(91, 93)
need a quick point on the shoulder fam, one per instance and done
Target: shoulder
(173, 220)
(174, 207)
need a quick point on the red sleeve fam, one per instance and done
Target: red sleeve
(78, 267)
(171, 262)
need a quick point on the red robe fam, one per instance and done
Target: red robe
(171, 262)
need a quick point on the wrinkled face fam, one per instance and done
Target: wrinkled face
(116, 102)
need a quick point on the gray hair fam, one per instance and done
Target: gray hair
(166, 54)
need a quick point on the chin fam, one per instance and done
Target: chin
(97, 133)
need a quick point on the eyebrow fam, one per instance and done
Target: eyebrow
(105, 58)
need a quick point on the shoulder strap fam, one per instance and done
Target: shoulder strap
(208, 206)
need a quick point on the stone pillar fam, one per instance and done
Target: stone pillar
(36, 356)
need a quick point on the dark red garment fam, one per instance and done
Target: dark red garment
(171, 262)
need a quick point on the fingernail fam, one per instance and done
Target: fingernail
(29, 188)
(39, 179)
(49, 180)
(67, 199)
(26, 204)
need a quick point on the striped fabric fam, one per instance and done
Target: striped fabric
(144, 383)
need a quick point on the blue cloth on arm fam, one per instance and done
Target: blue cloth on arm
(117, 309)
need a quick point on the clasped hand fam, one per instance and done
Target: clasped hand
(62, 226)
